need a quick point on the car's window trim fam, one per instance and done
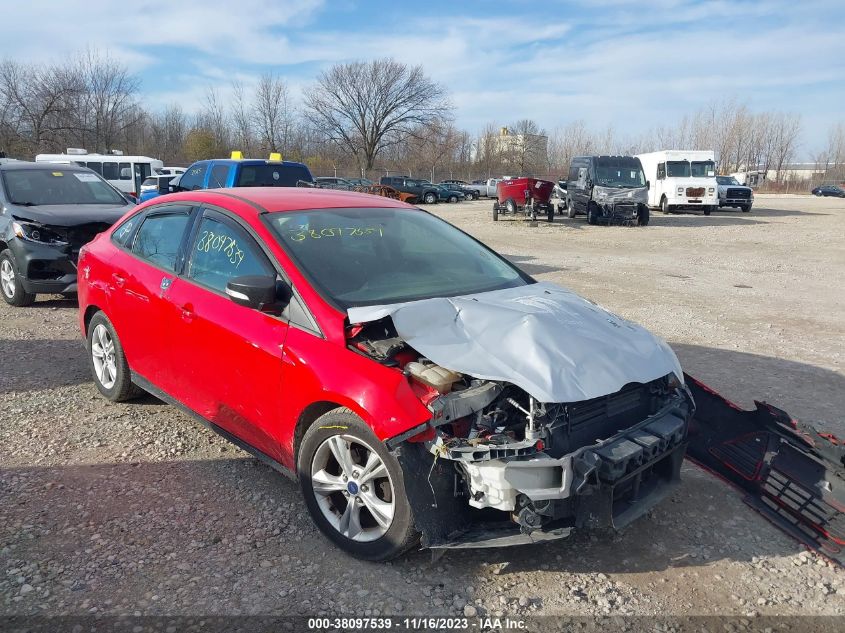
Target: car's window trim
(312, 327)
(330, 300)
(143, 213)
(180, 252)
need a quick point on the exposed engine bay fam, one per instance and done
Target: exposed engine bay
(546, 467)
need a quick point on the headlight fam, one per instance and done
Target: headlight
(38, 234)
(711, 190)
(680, 190)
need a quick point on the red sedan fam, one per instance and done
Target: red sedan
(414, 381)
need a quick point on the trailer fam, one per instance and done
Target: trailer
(530, 196)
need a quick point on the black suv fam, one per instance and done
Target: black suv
(422, 190)
(47, 212)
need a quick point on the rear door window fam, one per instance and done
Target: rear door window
(160, 236)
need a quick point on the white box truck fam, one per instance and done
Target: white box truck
(681, 179)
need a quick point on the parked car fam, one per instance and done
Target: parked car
(47, 212)
(331, 182)
(485, 188)
(733, 194)
(422, 190)
(361, 182)
(456, 185)
(171, 171)
(239, 172)
(244, 310)
(829, 190)
(608, 189)
(151, 186)
(445, 193)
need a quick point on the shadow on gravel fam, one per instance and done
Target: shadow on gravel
(39, 364)
(522, 262)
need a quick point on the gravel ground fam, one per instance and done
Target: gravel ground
(133, 508)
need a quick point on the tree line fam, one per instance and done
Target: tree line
(359, 118)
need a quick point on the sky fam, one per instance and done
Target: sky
(633, 65)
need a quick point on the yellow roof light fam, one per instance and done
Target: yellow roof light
(237, 155)
(275, 156)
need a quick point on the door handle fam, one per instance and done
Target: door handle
(118, 280)
(188, 313)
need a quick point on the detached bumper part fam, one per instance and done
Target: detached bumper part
(793, 474)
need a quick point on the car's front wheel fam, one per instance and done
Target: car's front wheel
(354, 489)
(108, 362)
(11, 286)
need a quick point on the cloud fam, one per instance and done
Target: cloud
(610, 62)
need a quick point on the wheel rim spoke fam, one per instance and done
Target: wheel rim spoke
(325, 483)
(382, 511)
(350, 521)
(340, 450)
(102, 355)
(373, 469)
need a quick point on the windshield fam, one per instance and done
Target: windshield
(272, 175)
(357, 257)
(619, 176)
(703, 169)
(677, 169)
(726, 180)
(37, 187)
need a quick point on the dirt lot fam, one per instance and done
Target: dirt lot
(133, 508)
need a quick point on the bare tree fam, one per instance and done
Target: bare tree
(365, 107)
(525, 147)
(241, 119)
(272, 114)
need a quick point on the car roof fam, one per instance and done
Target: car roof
(250, 161)
(21, 165)
(278, 199)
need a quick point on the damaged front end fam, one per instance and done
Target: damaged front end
(496, 466)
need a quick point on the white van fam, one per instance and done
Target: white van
(125, 173)
(681, 179)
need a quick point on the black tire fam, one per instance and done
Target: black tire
(592, 214)
(453, 199)
(429, 197)
(401, 535)
(643, 216)
(495, 212)
(745, 208)
(707, 209)
(13, 292)
(123, 387)
(550, 214)
(664, 205)
(474, 195)
(570, 209)
(510, 206)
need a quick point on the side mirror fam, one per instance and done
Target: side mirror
(256, 291)
(131, 199)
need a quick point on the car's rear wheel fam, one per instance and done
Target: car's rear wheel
(108, 362)
(429, 198)
(11, 286)
(570, 209)
(354, 489)
(510, 206)
(453, 199)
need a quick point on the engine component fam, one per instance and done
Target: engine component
(433, 375)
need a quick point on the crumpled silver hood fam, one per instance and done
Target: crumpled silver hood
(545, 339)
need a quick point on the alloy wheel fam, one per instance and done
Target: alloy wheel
(102, 354)
(7, 278)
(353, 488)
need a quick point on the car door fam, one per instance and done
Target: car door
(581, 195)
(142, 271)
(229, 356)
